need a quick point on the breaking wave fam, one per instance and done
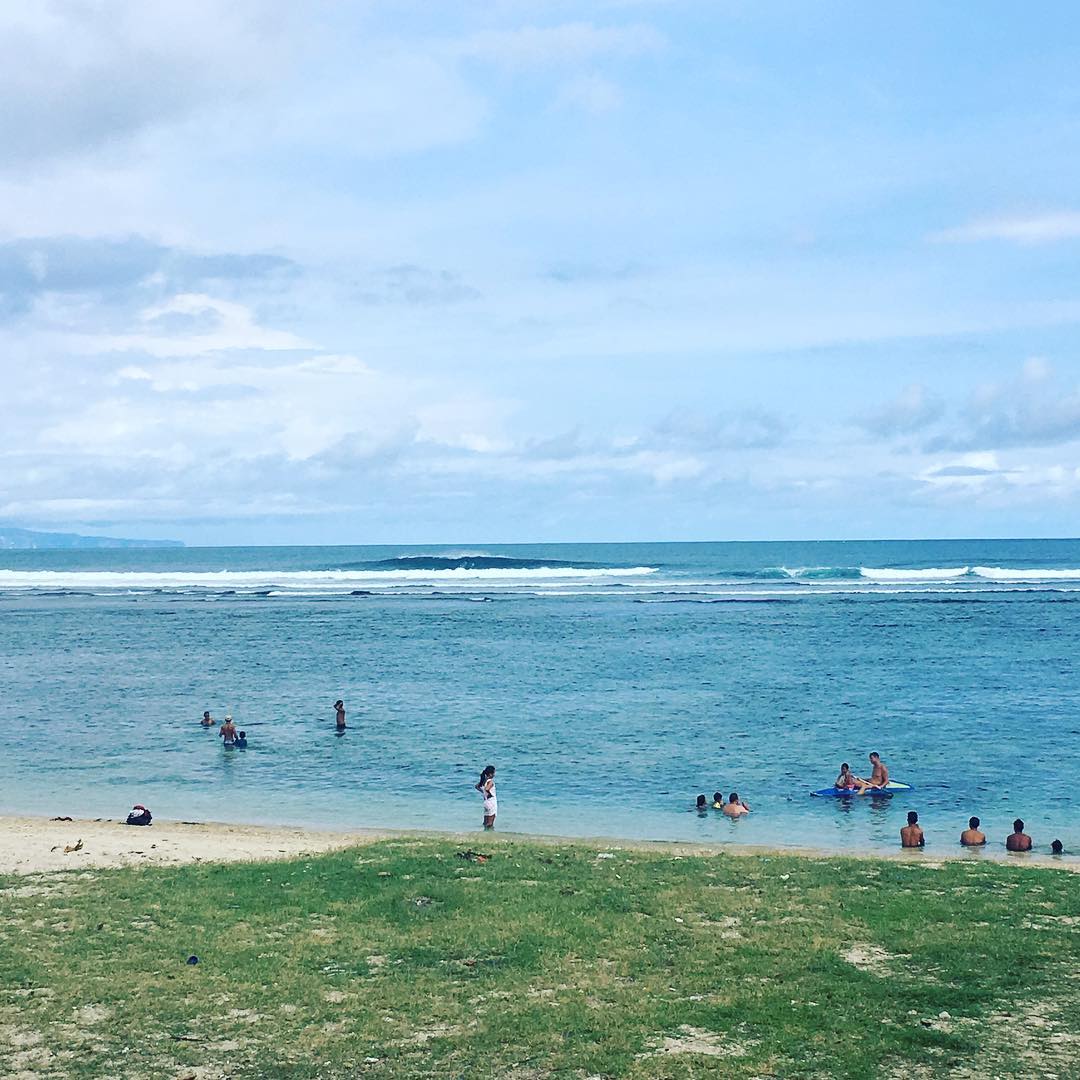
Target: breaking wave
(346, 581)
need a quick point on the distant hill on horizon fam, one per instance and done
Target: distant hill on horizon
(27, 539)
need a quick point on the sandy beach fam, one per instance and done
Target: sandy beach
(38, 845)
(35, 845)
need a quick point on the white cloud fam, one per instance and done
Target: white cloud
(592, 93)
(77, 75)
(565, 44)
(203, 325)
(914, 408)
(1031, 229)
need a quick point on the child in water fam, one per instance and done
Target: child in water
(718, 800)
(702, 804)
(241, 741)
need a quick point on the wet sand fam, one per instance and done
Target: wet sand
(30, 845)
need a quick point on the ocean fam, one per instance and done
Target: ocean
(609, 683)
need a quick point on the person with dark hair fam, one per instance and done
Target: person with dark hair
(486, 787)
(845, 781)
(1018, 840)
(702, 804)
(879, 777)
(971, 836)
(911, 835)
(339, 714)
(241, 741)
(718, 800)
(1057, 847)
(734, 808)
(207, 720)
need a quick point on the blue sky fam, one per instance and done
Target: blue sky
(531, 270)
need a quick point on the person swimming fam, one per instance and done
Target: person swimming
(241, 741)
(718, 800)
(702, 804)
(1057, 847)
(734, 807)
(207, 720)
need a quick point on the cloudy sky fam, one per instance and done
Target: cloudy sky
(511, 270)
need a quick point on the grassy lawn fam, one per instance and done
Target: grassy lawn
(401, 959)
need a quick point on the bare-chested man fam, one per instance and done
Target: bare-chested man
(227, 731)
(1018, 840)
(879, 778)
(911, 835)
(972, 836)
(735, 807)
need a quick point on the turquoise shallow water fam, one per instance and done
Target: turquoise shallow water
(609, 683)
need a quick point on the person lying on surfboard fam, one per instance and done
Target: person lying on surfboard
(879, 778)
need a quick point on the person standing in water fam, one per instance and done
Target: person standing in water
(486, 787)
(207, 720)
(339, 710)
(227, 731)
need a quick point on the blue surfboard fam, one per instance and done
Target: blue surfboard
(843, 793)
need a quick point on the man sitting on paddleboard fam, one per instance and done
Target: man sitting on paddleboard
(879, 778)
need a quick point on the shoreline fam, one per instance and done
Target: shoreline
(36, 845)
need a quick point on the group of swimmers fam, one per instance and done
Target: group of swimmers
(734, 807)
(912, 836)
(232, 739)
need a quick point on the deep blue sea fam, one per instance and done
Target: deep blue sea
(609, 684)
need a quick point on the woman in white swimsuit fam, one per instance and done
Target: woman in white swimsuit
(486, 787)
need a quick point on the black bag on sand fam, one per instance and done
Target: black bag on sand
(139, 816)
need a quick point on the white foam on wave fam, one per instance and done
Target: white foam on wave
(933, 573)
(1004, 573)
(319, 580)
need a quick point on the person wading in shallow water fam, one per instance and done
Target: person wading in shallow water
(486, 787)
(1018, 840)
(911, 835)
(227, 731)
(339, 710)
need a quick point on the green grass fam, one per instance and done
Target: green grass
(399, 959)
